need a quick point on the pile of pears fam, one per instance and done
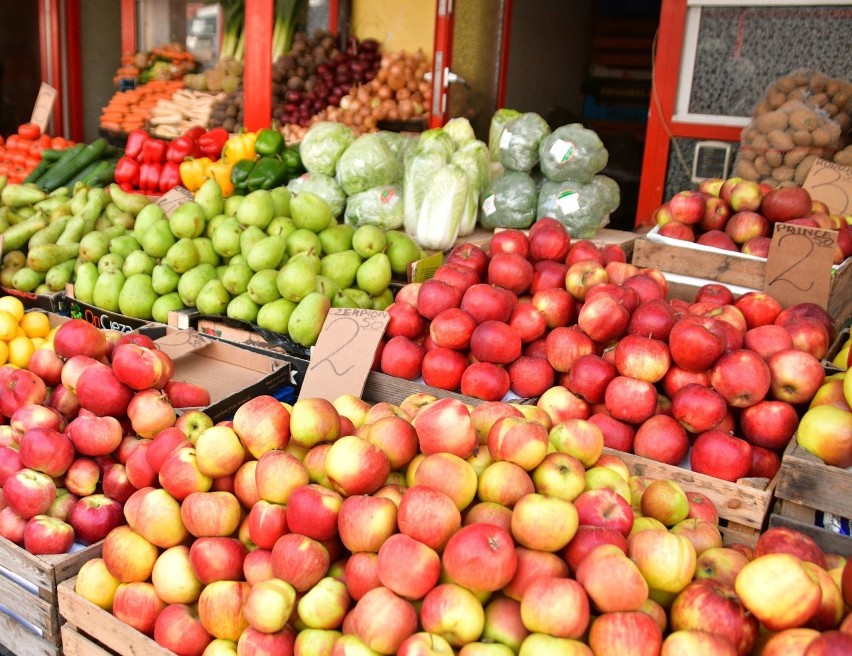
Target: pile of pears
(270, 258)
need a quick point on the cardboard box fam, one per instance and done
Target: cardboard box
(104, 319)
(46, 302)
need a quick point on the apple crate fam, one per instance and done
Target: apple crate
(807, 488)
(713, 264)
(29, 611)
(743, 506)
(834, 349)
(88, 630)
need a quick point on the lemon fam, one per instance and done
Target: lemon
(8, 326)
(13, 306)
(20, 351)
(35, 324)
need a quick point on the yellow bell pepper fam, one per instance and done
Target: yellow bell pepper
(193, 172)
(221, 172)
(240, 146)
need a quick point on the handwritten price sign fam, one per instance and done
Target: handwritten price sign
(174, 198)
(832, 184)
(43, 107)
(799, 265)
(343, 354)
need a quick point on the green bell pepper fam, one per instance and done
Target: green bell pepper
(240, 173)
(293, 161)
(269, 142)
(268, 173)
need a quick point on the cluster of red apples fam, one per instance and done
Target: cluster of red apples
(431, 527)
(71, 423)
(739, 215)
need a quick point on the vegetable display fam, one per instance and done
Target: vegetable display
(27, 154)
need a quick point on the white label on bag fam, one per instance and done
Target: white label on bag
(562, 150)
(489, 205)
(568, 201)
(505, 139)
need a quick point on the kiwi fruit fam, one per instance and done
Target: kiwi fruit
(774, 120)
(780, 140)
(804, 119)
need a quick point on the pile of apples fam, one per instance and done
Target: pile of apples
(738, 215)
(69, 424)
(432, 527)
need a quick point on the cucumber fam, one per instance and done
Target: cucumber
(64, 170)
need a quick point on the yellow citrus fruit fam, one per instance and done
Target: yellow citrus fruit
(20, 351)
(13, 306)
(49, 336)
(35, 324)
(4, 353)
(8, 326)
(38, 342)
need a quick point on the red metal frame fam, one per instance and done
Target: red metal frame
(257, 76)
(333, 15)
(51, 58)
(441, 61)
(128, 27)
(504, 54)
(74, 70)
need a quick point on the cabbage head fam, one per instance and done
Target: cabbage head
(495, 131)
(323, 144)
(520, 141)
(419, 168)
(460, 131)
(379, 206)
(509, 202)
(473, 158)
(572, 152)
(367, 163)
(442, 208)
(581, 208)
(609, 190)
(322, 185)
(438, 141)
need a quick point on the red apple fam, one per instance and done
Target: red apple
(29, 492)
(630, 400)
(741, 377)
(19, 388)
(262, 424)
(47, 365)
(677, 230)
(179, 629)
(381, 620)
(780, 539)
(94, 516)
(611, 580)
(47, 535)
(603, 318)
(716, 215)
(642, 358)
(452, 328)
(435, 296)
(556, 606)
(564, 345)
(480, 557)
(183, 394)
(795, 376)
(767, 339)
(785, 203)
(769, 424)
(663, 439)
(605, 508)
(745, 225)
(423, 501)
(469, 255)
(100, 391)
(408, 567)
(721, 455)
(688, 206)
(79, 337)
(46, 450)
(550, 241)
(510, 270)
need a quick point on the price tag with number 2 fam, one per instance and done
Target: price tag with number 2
(799, 266)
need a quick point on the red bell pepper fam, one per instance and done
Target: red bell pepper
(127, 170)
(135, 139)
(169, 176)
(194, 132)
(149, 176)
(179, 149)
(212, 141)
(154, 151)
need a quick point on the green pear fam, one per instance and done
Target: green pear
(123, 245)
(164, 304)
(110, 262)
(137, 296)
(342, 300)
(188, 220)
(402, 251)
(232, 204)
(256, 209)
(336, 238)
(327, 287)
(124, 220)
(295, 280)
(239, 258)
(94, 245)
(249, 237)
(226, 237)
(281, 197)
(262, 287)
(163, 279)
(214, 223)
(310, 257)
(281, 225)
(375, 274)
(27, 279)
(206, 253)
(341, 267)
(275, 315)
(182, 256)
(267, 253)
(192, 281)
(138, 262)
(213, 298)
(209, 198)
(369, 240)
(236, 277)
(158, 239)
(302, 240)
(383, 300)
(147, 217)
(107, 289)
(220, 271)
(243, 308)
(84, 281)
(310, 211)
(307, 319)
(362, 299)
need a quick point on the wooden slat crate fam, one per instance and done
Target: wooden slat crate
(22, 608)
(807, 485)
(88, 630)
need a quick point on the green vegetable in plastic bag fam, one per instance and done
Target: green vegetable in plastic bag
(442, 208)
(509, 202)
(460, 131)
(572, 152)
(398, 144)
(419, 168)
(379, 206)
(580, 207)
(520, 141)
(322, 185)
(473, 158)
(323, 144)
(495, 131)
(367, 163)
(436, 140)
(609, 190)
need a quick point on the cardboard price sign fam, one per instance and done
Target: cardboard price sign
(799, 265)
(343, 354)
(174, 198)
(422, 270)
(43, 106)
(832, 184)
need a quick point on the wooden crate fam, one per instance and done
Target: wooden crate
(88, 630)
(34, 604)
(807, 485)
(743, 506)
(733, 269)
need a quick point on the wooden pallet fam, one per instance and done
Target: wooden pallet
(29, 618)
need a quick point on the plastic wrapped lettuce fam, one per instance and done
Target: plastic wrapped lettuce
(367, 163)
(397, 143)
(442, 208)
(438, 141)
(419, 168)
(610, 192)
(379, 206)
(473, 158)
(460, 131)
(323, 144)
(509, 202)
(322, 185)
(520, 141)
(572, 152)
(580, 207)
(495, 131)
